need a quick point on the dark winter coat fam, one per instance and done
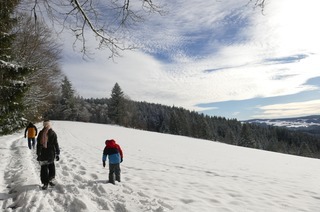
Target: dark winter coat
(32, 131)
(48, 154)
(113, 151)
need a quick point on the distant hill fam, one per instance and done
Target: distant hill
(309, 124)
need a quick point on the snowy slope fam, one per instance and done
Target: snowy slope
(159, 173)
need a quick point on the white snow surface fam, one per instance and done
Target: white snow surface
(159, 173)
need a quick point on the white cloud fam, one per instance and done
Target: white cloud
(290, 109)
(286, 29)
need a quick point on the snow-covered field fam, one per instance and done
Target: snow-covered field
(159, 173)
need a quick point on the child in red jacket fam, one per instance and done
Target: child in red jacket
(115, 156)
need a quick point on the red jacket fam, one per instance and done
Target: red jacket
(113, 151)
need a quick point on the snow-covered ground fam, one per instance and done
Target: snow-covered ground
(159, 173)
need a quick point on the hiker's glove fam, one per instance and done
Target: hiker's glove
(104, 163)
(121, 160)
(57, 158)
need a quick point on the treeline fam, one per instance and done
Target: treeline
(179, 121)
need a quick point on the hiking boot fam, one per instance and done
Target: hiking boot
(52, 183)
(112, 182)
(44, 187)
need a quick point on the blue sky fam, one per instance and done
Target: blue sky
(222, 58)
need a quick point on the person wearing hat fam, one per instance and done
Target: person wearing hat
(32, 133)
(114, 153)
(47, 151)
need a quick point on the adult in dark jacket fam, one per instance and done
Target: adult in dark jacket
(32, 133)
(114, 153)
(47, 151)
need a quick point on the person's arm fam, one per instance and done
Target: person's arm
(25, 132)
(56, 145)
(39, 146)
(104, 157)
(120, 152)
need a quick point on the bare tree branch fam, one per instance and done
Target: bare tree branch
(105, 20)
(259, 3)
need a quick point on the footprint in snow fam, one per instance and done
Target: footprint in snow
(94, 176)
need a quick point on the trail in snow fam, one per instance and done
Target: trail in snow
(78, 189)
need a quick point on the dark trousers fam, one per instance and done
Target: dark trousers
(47, 172)
(114, 170)
(33, 142)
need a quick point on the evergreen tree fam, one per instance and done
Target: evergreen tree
(67, 92)
(246, 139)
(12, 85)
(67, 101)
(66, 106)
(174, 123)
(116, 105)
